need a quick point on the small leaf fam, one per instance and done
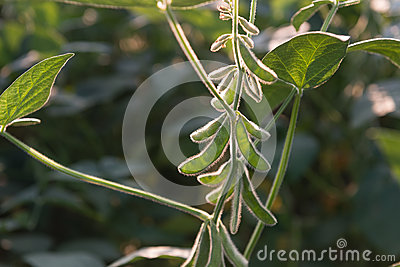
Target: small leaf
(254, 129)
(24, 122)
(253, 88)
(250, 153)
(236, 211)
(207, 131)
(152, 253)
(30, 91)
(348, 3)
(220, 73)
(198, 248)
(215, 178)
(253, 202)
(248, 27)
(247, 40)
(308, 60)
(209, 155)
(307, 12)
(231, 251)
(387, 47)
(216, 253)
(254, 65)
(228, 94)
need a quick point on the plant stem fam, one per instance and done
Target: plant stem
(279, 112)
(330, 16)
(253, 11)
(233, 147)
(192, 57)
(202, 215)
(279, 175)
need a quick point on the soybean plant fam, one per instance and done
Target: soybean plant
(302, 63)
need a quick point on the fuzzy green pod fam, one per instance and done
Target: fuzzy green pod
(231, 251)
(248, 27)
(215, 178)
(216, 253)
(209, 155)
(220, 73)
(253, 202)
(236, 211)
(207, 131)
(255, 130)
(248, 150)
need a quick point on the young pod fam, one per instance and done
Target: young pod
(224, 7)
(248, 27)
(220, 73)
(247, 40)
(225, 16)
(207, 131)
(253, 88)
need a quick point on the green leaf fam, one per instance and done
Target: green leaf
(215, 178)
(248, 150)
(209, 155)
(216, 252)
(389, 142)
(253, 202)
(254, 129)
(305, 13)
(236, 211)
(308, 60)
(387, 47)
(124, 4)
(24, 122)
(152, 253)
(254, 65)
(207, 131)
(231, 251)
(30, 91)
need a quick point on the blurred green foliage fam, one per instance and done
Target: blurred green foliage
(341, 183)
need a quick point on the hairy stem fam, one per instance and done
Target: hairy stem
(192, 57)
(233, 148)
(279, 175)
(330, 16)
(202, 215)
(253, 11)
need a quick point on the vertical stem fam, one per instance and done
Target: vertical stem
(233, 149)
(192, 57)
(279, 175)
(330, 16)
(253, 11)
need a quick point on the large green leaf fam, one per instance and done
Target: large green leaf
(152, 253)
(306, 12)
(308, 60)
(387, 47)
(31, 90)
(133, 3)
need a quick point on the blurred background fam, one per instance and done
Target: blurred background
(343, 178)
